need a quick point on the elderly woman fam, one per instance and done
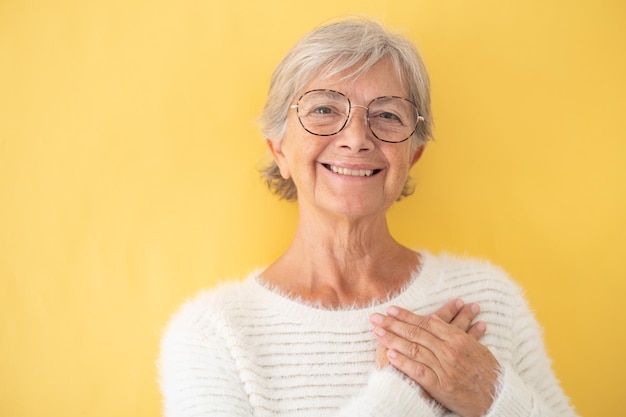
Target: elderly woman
(348, 322)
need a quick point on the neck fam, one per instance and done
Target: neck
(339, 262)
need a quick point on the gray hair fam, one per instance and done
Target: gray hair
(354, 45)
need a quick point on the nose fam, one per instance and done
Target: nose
(356, 134)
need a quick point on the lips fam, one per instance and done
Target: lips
(352, 172)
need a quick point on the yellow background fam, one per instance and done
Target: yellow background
(128, 156)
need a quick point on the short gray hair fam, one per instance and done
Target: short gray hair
(351, 44)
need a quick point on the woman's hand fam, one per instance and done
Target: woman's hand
(442, 354)
(454, 312)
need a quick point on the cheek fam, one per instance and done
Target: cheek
(402, 163)
(297, 157)
(301, 146)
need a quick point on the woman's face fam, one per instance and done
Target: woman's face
(329, 171)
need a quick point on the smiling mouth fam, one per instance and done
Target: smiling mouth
(352, 172)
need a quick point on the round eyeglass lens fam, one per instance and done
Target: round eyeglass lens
(323, 112)
(392, 119)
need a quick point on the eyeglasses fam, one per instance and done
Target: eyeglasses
(326, 112)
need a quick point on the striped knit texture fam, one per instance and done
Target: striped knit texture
(246, 350)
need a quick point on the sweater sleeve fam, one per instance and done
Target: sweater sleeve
(390, 394)
(197, 373)
(527, 386)
(201, 376)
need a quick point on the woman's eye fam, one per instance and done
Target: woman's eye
(323, 110)
(389, 116)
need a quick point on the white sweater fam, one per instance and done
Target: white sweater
(246, 350)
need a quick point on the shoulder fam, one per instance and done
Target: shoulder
(472, 272)
(476, 281)
(209, 308)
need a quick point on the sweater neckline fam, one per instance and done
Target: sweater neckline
(416, 289)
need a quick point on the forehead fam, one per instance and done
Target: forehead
(382, 79)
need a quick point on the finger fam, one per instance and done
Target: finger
(402, 336)
(411, 351)
(465, 316)
(408, 325)
(417, 370)
(462, 319)
(407, 316)
(450, 310)
(478, 330)
(381, 357)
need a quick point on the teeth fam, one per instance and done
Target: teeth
(352, 172)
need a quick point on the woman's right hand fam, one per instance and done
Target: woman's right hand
(444, 358)
(454, 312)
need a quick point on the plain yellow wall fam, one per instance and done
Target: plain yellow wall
(128, 155)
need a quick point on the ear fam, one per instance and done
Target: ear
(417, 155)
(276, 150)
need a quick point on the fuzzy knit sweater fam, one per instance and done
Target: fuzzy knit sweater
(247, 350)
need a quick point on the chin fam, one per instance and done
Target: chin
(356, 208)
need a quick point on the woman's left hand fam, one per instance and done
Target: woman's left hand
(452, 366)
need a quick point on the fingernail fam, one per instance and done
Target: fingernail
(393, 311)
(475, 308)
(459, 304)
(392, 354)
(376, 318)
(380, 331)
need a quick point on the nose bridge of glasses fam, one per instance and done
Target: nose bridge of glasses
(365, 120)
(361, 107)
(365, 114)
